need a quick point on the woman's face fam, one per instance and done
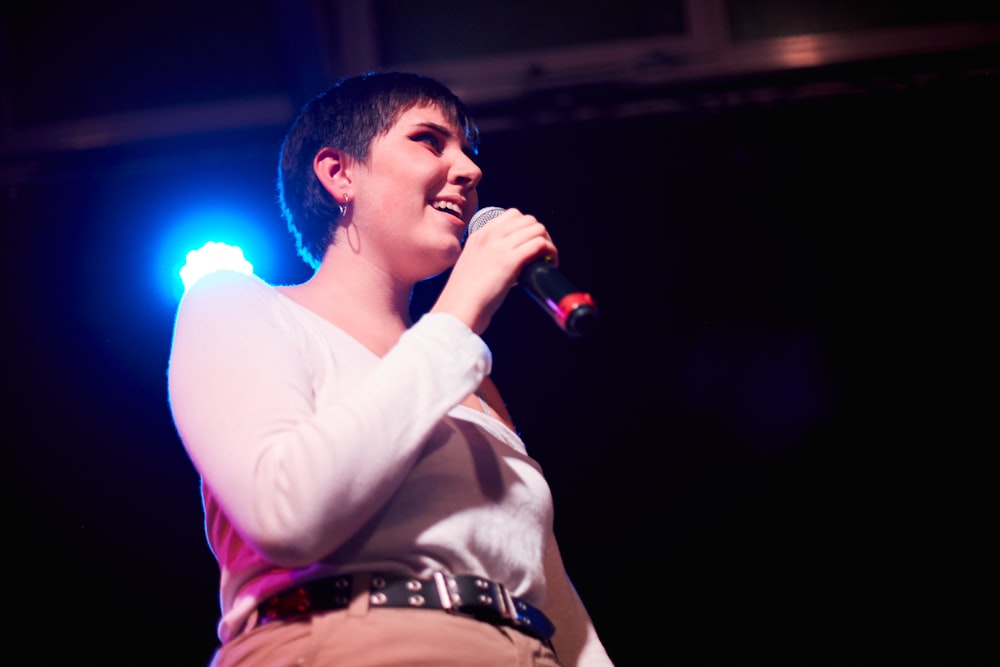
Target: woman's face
(416, 194)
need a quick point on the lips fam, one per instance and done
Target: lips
(448, 207)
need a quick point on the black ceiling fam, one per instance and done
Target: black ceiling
(92, 75)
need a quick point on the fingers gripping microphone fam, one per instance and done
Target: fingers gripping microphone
(572, 310)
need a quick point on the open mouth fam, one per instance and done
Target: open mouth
(448, 207)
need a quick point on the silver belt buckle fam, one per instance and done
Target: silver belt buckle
(508, 610)
(443, 584)
(497, 597)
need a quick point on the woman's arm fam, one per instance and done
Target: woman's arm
(297, 473)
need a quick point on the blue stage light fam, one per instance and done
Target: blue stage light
(213, 256)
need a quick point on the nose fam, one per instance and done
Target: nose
(466, 172)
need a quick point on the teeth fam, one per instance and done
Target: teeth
(448, 206)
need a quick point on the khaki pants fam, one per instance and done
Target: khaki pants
(365, 637)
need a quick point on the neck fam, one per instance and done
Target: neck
(359, 298)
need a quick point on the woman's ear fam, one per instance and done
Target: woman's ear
(331, 168)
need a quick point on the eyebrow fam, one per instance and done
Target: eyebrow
(430, 125)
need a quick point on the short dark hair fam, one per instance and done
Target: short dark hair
(349, 116)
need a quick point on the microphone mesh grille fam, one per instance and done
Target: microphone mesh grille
(482, 216)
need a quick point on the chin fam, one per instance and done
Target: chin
(435, 262)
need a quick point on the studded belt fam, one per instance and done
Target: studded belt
(469, 595)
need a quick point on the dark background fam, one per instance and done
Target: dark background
(776, 450)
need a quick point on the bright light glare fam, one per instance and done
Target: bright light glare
(213, 256)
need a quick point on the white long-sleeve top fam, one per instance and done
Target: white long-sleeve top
(318, 457)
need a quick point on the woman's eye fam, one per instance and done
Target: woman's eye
(430, 139)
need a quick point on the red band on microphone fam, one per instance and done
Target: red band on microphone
(571, 302)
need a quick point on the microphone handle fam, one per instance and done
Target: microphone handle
(572, 310)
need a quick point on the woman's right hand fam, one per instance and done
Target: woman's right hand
(489, 266)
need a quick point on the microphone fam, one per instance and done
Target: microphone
(572, 310)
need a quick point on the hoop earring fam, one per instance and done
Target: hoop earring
(343, 206)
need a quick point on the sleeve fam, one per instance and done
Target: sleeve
(295, 477)
(575, 641)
